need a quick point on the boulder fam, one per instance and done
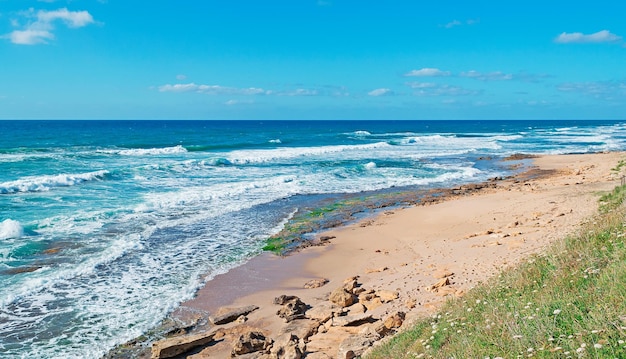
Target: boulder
(355, 345)
(342, 297)
(293, 308)
(315, 283)
(372, 303)
(250, 342)
(286, 346)
(232, 315)
(322, 312)
(350, 320)
(171, 347)
(387, 295)
(391, 324)
(301, 328)
(356, 308)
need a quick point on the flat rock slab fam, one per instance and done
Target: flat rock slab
(232, 315)
(348, 320)
(171, 347)
(301, 328)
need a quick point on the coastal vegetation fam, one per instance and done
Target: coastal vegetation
(567, 302)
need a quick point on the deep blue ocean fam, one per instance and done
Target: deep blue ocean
(106, 226)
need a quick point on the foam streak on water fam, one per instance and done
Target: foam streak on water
(105, 227)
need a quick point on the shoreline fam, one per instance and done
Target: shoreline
(459, 241)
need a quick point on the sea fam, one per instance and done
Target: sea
(107, 226)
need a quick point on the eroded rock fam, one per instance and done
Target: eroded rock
(250, 342)
(232, 315)
(342, 297)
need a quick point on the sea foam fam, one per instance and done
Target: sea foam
(47, 182)
(147, 151)
(11, 229)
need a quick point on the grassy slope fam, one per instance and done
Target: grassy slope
(567, 303)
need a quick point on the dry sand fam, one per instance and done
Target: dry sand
(466, 239)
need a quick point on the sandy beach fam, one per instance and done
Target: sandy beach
(402, 263)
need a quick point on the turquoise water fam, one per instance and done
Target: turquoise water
(106, 226)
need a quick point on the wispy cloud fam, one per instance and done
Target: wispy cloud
(427, 72)
(455, 23)
(605, 90)
(477, 75)
(212, 89)
(232, 91)
(488, 76)
(580, 38)
(381, 92)
(181, 77)
(40, 25)
(432, 89)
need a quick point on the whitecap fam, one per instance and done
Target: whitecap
(276, 141)
(47, 182)
(11, 229)
(147, 151)
(370, 165)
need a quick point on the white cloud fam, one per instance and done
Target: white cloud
(224, 90)
(490, 76)
(30, 37)
(431, 89)
(421, 85)
(455, 23)
(181, 77)
(579, 37)
(40, 30)
(212, 89)
(73, 19)
(428, 72)
(298, 92)
(452, 24)
(606, 90)
(380, 92)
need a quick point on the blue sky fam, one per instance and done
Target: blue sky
(317, 59)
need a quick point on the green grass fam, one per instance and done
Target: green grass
(567, 303)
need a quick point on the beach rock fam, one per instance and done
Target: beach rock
(284, 299)
(391, 324)
(301, 328)
(250, 342)
(326, 238)
(318, 355)
(356, 308)
(342, 297)
(171, 347)
(293, 308)
(322, 312)
(355, 345)
(286, 346)
(350, 284)
(315, 283)
(440, 284)
(351, 320)
(372, 304)
(387, 295)
(232, 315)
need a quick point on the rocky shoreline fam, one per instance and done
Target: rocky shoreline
(356, 285)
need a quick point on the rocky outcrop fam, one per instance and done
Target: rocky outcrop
(250, 342)
(342, 297)
(232, 315)
(315, 283)
(293, 308)
(171, 347)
